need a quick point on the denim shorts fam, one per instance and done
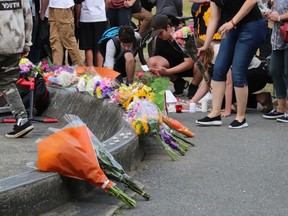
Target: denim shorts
(237, 49)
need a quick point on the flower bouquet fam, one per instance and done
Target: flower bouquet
(125, 95)
(145, 120)
(185, 38)
(69, 151)
(158, 85)
(62, 75)
(107, 162)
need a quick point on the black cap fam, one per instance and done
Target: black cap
(159, 21)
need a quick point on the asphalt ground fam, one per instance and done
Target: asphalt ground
(230, 172)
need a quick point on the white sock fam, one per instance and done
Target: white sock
(22, 121)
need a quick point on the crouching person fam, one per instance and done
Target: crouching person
(120, 53)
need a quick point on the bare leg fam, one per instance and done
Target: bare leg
(218, 91)
(130, 65)
(241, 98)
(89, 58)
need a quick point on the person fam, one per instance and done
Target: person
(169, 7)
(40, 34)
(140, 13)
(257, 78)
(242, 33)
(119, 12)
(92, 24)
(279, 61)
(62, 35)
(147, 5)
(120, 53)
(15, 41)
(169, 59)
(266, 48)
(201, 18)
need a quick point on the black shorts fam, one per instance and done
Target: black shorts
(90, 34)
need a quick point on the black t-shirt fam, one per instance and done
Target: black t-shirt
(230, 7)
(170, 51)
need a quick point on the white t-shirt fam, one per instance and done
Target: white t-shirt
(93, 11)
(61, 3)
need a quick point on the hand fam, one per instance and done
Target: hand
(42, 16)
(128, 3)
(273, 16)
(25, 54)
(201, 50)
(225, 28)
(225, 113)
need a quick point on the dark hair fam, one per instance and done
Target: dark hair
(126, 34)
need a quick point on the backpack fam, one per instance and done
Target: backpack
(112, 33)
(41, 93)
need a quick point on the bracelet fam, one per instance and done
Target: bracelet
(232, 22)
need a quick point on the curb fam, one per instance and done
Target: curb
(35, 192)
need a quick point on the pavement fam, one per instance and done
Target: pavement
(229, 172)
(23, 187)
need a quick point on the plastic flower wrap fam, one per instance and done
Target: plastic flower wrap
(25, 65)
(90, 86)
(82, 82)
(185, 38)
(107, 162)
(145, 118)
(104, 88)
(70, 152)
(64, 76)
(158, 86)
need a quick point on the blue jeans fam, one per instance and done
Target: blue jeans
(237, 49)
(279, 72)
(119, 16)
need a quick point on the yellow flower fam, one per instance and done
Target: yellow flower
(23, 61)
(98, 92)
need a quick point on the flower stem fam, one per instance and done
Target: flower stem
(182, 138)
(134, 185)
(121, 195)
(168, 150)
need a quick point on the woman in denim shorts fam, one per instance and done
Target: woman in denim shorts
(242, 34)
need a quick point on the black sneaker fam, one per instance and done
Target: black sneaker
(20, 131)
(179, 85)
(273, 114)
(237, 125)
(192, 91)
(216, 121)
(283, 118)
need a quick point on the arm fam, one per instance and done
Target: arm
(110, 53)
(211, 28)
(186, 65)
(44, 6)
(129, 3)
(244, 10)
(78, 13)
(28, 27)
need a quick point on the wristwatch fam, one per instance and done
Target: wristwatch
(278, 18)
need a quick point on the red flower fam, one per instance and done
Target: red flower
(140, 74)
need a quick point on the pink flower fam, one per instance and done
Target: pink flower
(140, 74)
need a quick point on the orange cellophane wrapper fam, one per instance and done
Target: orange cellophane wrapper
(178, 126)
(70, 153)
(102, 71)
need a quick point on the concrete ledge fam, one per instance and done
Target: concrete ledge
(33, 193)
